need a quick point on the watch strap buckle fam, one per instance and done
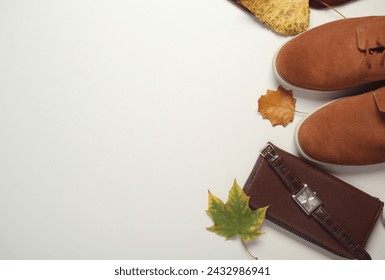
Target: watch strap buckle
(268, 152)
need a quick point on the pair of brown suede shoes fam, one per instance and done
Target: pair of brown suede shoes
(342, 57)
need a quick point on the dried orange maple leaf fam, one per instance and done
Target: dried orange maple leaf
(277, 106)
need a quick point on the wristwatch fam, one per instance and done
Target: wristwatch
(310, 203)
(307, 200)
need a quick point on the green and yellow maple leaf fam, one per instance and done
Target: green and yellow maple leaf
(235, 218)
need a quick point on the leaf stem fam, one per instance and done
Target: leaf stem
(300, 112)
(335, 10)
(247, 250)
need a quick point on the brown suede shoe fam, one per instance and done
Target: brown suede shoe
(347, 131)
(334, 57)
(319, 5)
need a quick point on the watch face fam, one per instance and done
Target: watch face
(307, 200)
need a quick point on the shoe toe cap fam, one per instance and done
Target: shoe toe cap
(347, 131)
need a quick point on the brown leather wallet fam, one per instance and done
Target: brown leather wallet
(312, 203)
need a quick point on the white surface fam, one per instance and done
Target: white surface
(116, 117)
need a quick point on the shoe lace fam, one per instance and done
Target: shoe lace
(372, 51)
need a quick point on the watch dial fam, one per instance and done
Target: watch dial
(308, 200)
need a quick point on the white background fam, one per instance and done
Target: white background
(117, 116)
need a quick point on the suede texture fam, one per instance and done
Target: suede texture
(328, 57)
(347, 131)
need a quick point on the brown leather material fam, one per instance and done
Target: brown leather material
(320, 5)
(325, 219)
(353, 209)
(329, 57)
(347, 131)
(276, 162)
